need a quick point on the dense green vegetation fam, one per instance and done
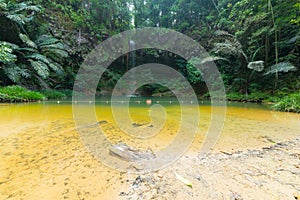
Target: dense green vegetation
(256, 43)
(290, 103)
(253, 97)
(52, 94)
(19, 94)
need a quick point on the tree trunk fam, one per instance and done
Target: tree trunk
(276, 41)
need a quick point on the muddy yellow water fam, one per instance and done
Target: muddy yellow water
(42, 156)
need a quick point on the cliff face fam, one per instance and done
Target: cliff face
(78, 39)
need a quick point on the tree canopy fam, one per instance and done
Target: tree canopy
(256, 44)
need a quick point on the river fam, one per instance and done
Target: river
(42, 156)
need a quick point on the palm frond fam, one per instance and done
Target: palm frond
(281, 67)
(256, 65)
(40, 67)
(27, 40)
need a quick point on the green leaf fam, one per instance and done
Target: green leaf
(6, 55)
(27, 40)
(18, 18)
(3, 5)
(27, 49)
(294, 39)
(25, 7)
(40, 67)
(185, 181)
(281, 67)
(212, 59)
(59, 52)
(39, 57)
(256, 65)
(52, 46)
(14, 72)
(46, 40)
(56, 67)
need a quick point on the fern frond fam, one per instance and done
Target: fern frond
(3, 5)
(226, 48)
(40, 67)
(11, 45)
(17, 18)
(24, 7)
(24, 72)
(222, 33)
(6, 53)
(294, 39)
(27, 49)
(52, 46)
(11, 71)
(46, 40)
(212, 59)
(56, 67)
(14, 72)
(27, 40)
(281, 67)
(59, 52)
(229, 45)
(230, 48)
(28, 19)
(38, 57)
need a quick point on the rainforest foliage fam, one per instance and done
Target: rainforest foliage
(256, 43)
(19, 94)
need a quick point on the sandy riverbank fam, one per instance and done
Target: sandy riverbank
(53, 164)
(269, 173)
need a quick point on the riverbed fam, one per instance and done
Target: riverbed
(42, 156)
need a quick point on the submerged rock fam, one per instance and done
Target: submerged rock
(131, 154)
(102, 122)
(138, 124)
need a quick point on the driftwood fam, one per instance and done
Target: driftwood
(130, 154)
